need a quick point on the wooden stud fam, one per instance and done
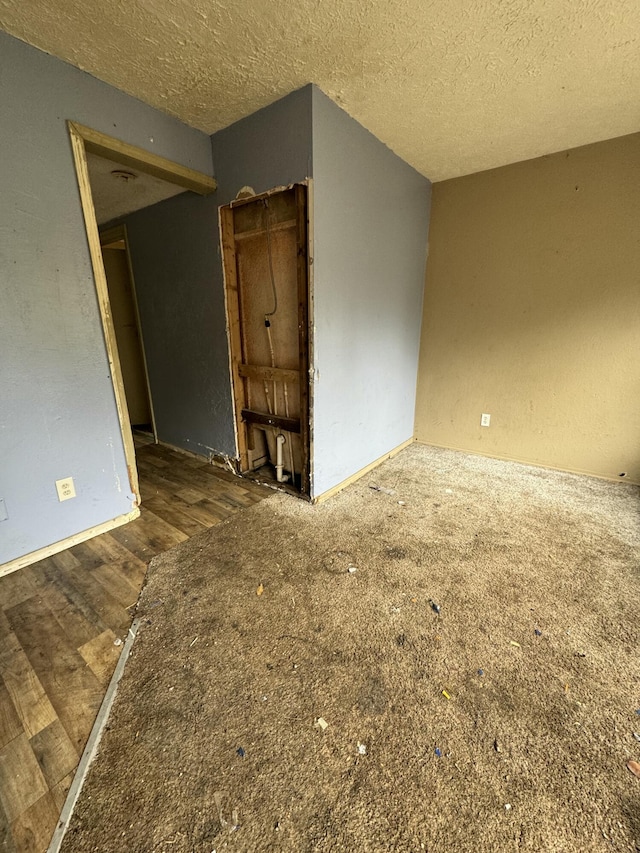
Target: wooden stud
(303, 328)
(138, 158)
(232, 299)
(95, 250)
(310, 314)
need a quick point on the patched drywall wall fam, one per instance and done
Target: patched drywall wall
(57, 412)
(532, 312)
(452, 88)
(371, 218)
(174, 255)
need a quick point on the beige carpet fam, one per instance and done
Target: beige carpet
(502, 723)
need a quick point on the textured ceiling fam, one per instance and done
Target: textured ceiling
(452, 86)
(114, 197)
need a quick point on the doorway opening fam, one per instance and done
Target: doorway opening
(112, 269)
(265, 256)
(127, 329)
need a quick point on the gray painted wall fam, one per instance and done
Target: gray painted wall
(174, 255)
(268, 149)
(371, 217)
(271, 148)
(57, 410)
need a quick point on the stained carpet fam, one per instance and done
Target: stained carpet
(467, 631)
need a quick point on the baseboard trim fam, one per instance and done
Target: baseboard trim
(69, 542)
(530, 463)
(352, 479)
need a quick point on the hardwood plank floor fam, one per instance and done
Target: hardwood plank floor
(59, 622)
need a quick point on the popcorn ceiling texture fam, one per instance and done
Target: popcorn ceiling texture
(451, 86)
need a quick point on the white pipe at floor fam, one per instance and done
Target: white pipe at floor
(280, 476)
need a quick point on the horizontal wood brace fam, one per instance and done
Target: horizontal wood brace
(271, 374)
(256, 232)
(286, 424)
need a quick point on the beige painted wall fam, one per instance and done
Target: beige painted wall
(532, 312)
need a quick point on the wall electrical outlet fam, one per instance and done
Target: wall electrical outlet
(485, 420)
(4, 515)
(65, 489)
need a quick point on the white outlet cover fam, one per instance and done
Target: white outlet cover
(65, 489)
(485, 420)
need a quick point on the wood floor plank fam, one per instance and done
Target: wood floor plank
(5, 627)
(21, 780)
(86, 556)
(33, 829)
(111, 614)
(161, 535)
(58, 622)
(10, 723)
(131, 569)
(65, 581)
(134, 537)
(61, 669)
(6, 835)
(170, 511)
(204, 512)
(76, 626)
(28, 695)
(59, 792)
(54, 752)
(65, 561)
(115, 582)
(101, 655)
(17, 587)
(111, 550)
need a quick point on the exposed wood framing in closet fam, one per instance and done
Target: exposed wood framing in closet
(266, 268)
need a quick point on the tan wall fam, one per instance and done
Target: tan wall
(532, 312)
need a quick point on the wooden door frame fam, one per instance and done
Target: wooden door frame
(86, 140)
(303, 196)
(113, 235)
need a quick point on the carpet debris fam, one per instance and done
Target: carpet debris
(634, 767)
(260, 589)
(321, 724)
(383, 490)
